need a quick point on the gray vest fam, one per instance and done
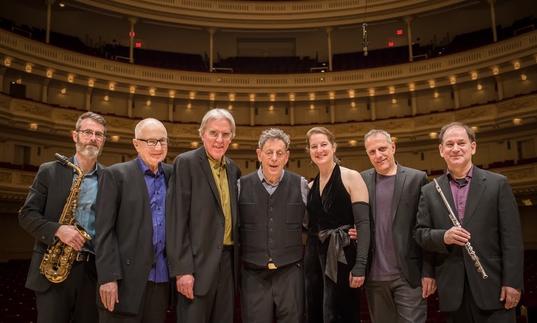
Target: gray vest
(270, 226)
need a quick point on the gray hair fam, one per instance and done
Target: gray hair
(216, 114)
(93, 116)
(273, 133)
(374, 132)
(140, 125)
(469, 131)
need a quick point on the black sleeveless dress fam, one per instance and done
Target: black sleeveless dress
(328, 301)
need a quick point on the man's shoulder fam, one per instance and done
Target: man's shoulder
(187, 155)
(413, 171)
(489, 175)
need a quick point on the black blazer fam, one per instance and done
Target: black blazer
(195, 221)
(413, 262)
(491, 216)
(41, 212)
(124, 232)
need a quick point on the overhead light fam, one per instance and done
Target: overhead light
(192, 95)
(171, 94)
(50, 73)
(70, 78)
(479, 86)
(112, 86)
(212, 96)
(523, 77)
(411, 87)
(291, 97)
(234, 145)
(231, 97)
(148, 103)
(271, 107)
(495, 70)
(312, 96)
(272, 97)
(189, 105)
(63, 91)
(106, 98)
(391, 90)
(473, 75)
(28, 68)
(394, 101)
(353, 104)
(230, 107)
(371, 92)
(114, 138)
(351, 93)
(474, 128)
(7, 61)
(312, 106)
(132, 89)
(432, 84)
(353, 142)
(91, 82)
(194, 144)
(436, 94)
(33, 126)
(331, 95)
(453, 80)
(433, 135)
(61, 4)
(152, 91)
(517, 121)
(516, 65)
(252, 97)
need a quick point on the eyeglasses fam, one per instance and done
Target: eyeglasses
(154, 142)
(88, 133)
(279, 153)
(213, 134)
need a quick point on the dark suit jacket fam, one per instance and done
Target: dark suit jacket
(124, 232)
(195, 222)
(491, 216)
(410, 257)
(41, 212)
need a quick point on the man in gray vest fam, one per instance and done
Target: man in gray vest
(271, 210)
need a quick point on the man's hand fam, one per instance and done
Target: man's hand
(109, 295)
(353, 233)
(185, 285)
(69, 235)
(355, 282)
(511, 297)
(457, 236)
(428, 286)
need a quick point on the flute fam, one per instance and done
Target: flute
(456, 223)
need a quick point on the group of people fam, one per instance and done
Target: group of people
(200, 235)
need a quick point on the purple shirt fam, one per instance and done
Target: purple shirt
(459, 191)
(156, 190)
(384, 266)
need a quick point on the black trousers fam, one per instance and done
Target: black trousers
(269, 296)
(215, 306)
(152, 309)
(468, 312)
(73, 300)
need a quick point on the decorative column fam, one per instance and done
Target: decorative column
(212, 31)
(329, 40)
(171, 105)
(413, 103)
(132, 34)
(252, 113)
(130, 104)
(292, 113)
(44, 90)
(455, 94)
(499, 87)
(408, 21)
(493, 20)
(88, 97)
(49, 20)
(373, 108)
(332, 107)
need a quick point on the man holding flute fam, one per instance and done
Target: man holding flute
(486, 214)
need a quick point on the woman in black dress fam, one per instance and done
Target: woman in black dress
(334, 265)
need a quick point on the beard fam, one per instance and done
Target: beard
(88, 150)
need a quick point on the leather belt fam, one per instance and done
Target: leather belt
(83, 256)
(270, 266)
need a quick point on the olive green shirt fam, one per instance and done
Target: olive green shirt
(218, 169)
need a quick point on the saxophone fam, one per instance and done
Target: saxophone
(58, 260)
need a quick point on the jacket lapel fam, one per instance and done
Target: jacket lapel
(477, 188)
(446, 189)
(400, 179)
(206, 167)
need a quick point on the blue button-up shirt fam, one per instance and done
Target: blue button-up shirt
(156, 190)
(85, 210)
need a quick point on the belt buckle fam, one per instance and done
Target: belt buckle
(82, 256)
(272, 266)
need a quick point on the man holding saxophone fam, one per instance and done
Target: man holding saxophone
(481, 281)
(67, 294)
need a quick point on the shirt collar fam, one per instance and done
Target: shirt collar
(263, 179)
(468, 176)
(146, 169)
(91, 173)
(217, 164)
